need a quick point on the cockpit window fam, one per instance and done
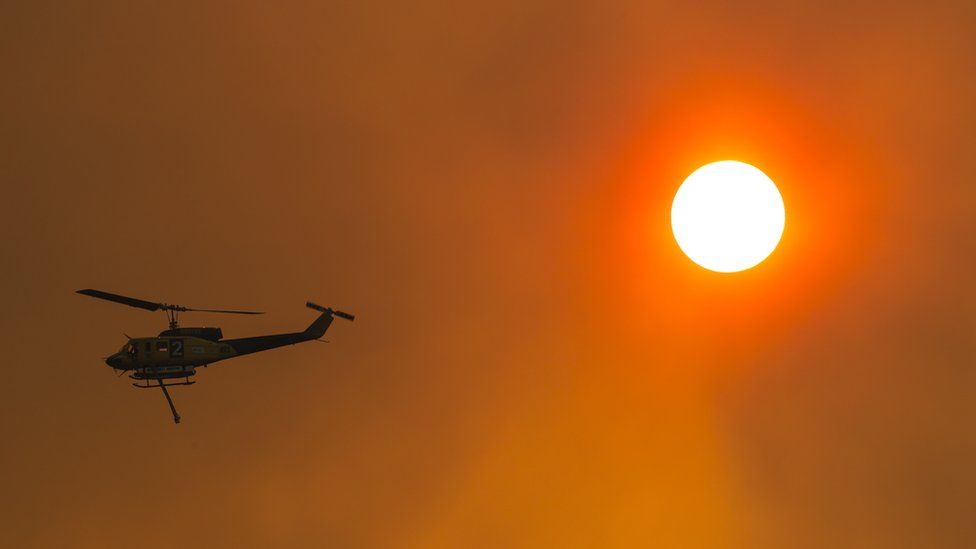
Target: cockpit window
(130, 349)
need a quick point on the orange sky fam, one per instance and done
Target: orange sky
(487, 187)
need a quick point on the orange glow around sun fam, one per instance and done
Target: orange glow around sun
(643, 277)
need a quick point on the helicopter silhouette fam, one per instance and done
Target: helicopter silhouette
(176, 352)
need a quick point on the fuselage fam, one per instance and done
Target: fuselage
(166, 356)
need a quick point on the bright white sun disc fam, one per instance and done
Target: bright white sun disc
(728, 216)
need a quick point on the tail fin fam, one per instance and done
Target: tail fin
(317, 329)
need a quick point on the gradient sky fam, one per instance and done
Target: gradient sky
(487, 186)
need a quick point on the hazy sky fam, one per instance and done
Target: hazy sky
(487, 187)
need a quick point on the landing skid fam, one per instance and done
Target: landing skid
(163, 386)
(148, 386)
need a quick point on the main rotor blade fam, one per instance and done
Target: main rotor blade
(223, 311)
(150, 306)
(130, 301)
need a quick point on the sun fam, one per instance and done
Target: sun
(728, 216)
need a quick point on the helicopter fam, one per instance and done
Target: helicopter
(171, 358)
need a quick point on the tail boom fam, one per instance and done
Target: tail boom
(248, 345)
